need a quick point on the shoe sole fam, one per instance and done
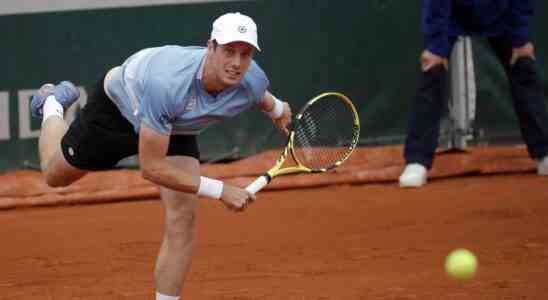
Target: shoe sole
(412, 185)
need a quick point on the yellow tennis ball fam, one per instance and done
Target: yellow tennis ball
(461, 264)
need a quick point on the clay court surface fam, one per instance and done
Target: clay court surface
(361, 241)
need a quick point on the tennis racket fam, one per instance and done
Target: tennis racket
(322, 136)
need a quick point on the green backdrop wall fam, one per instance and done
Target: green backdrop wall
(366, 49)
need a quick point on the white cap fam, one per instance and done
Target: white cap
(235, 27)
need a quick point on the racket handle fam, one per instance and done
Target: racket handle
(258, 184)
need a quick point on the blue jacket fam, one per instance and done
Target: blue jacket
(443, 19)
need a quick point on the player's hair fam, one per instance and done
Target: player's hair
(215, 44)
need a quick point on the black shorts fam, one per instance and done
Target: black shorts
(99, 137)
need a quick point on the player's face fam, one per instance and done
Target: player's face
(231, 61)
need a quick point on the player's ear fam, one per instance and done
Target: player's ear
(212, 45)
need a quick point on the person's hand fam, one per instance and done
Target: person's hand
(282, 122)
(430, 60)
(235, 198)
(527, 50)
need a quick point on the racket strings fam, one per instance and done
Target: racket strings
(325, 134)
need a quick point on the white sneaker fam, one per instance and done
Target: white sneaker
(542, 166)
(414, 175)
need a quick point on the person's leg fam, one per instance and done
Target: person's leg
(425, 117)
(527, 97)
(174, 258)
(424, 124)
(50, 103)
(423, 127)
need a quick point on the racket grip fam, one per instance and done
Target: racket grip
(258, 184)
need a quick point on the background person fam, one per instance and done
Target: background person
(506, 25)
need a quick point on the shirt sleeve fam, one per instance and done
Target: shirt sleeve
(157, 108)
(521, 12)
(435, 25)
(257, 83)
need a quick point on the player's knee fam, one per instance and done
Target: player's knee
(181, 224)
(54, 180)
(178, 222)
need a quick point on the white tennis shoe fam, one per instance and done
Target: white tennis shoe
(542, 166)
(413, 176)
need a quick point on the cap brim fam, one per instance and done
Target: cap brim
(228, 40)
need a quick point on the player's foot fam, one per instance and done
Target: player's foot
(414, 175)
(542, 166)
(65, 93)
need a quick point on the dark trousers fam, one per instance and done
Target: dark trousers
(432, 94)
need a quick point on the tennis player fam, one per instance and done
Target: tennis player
(156, 104)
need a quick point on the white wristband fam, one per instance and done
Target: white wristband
(277, 109)
(211, 188)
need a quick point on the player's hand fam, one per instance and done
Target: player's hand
(282, 122)
(527, 50)
(236, 199)
(429, 60)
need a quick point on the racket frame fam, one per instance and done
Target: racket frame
(289, 149)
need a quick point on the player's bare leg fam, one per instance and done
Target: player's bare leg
(50, 103)
(57, 171)
(174, 258)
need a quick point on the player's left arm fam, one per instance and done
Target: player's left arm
(279, 111)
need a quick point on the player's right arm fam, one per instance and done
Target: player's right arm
(158, 106)
(156, 168)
